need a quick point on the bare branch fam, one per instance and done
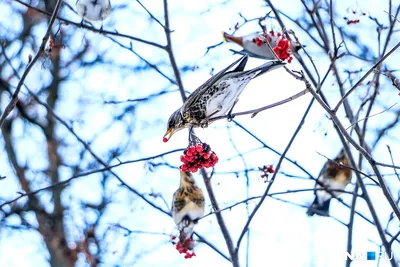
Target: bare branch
(14, 98)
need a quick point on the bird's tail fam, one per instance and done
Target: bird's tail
(266, 67)
(316, 208)
(232, 39)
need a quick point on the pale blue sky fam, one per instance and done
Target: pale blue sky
(281, 233)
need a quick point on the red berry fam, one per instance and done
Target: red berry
(199, 148)
(165, 139)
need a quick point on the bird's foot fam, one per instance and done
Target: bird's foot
(230, 117)
(204, 123)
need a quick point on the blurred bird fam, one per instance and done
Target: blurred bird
(188, 204)
(216, 96)
(93, 10)
(254, 44)
(331, 177)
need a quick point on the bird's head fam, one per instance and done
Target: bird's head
(342, 157)
(175, 123)
(295, 46)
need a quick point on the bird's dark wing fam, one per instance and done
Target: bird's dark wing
(320, 177)
(245, 52)
(199, 91)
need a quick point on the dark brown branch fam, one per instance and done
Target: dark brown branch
(100, 31)
(107, 168)
(386, 192)
(14, 98)
(221, 222)
(171, 53)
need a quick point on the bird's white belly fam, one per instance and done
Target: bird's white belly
(330, 184)
(190, 209)
(91, 12)
(262, 50)
(221, 102)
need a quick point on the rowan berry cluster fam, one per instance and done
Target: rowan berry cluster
(266, 170)
(258, 41)
(198, 156)
(282, 49)
(184, 247)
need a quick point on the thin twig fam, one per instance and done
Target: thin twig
(383, 111)
(254, 112)
(380, 61)
(276, 171)
(106, 168)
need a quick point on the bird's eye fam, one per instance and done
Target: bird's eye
(171, 122)
(254, 40)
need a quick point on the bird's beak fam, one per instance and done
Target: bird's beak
(168, 135)
(297, 47)
(231, 38)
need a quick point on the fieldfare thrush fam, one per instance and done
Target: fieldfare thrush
(216, 97)
(254, 44)
(331, 177)
(188, 204)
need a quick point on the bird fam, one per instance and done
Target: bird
(331, 177)
(93, 10)
(216, 96)
(188, 204)
(254, 44)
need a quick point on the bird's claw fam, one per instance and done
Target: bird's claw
(204, 124)
(230, 117)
